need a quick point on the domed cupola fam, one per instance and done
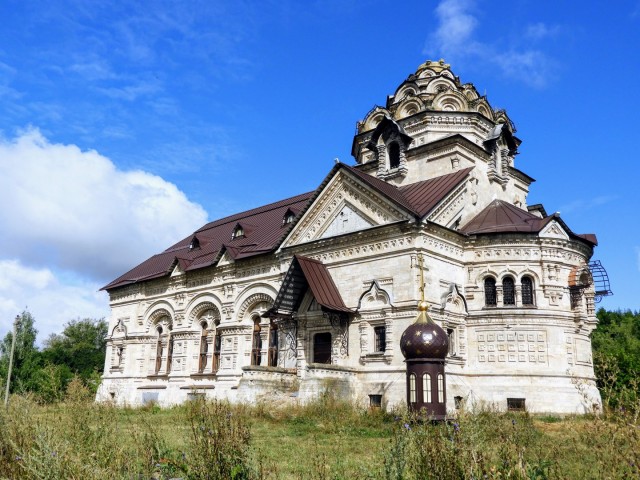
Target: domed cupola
(424, 345)
(424, 339)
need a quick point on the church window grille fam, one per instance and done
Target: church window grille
(490, 298)
(440, 388)
(256, 348)
(375, 402)
(204, 348)
(516, 404)
(169, 354)
(426, 388)
(273, 345)
(380, 339)
(159, 351)
(508, 291)
(412, 388)
(394, 155)
(322, 348)
(217, 344)
(527, 291)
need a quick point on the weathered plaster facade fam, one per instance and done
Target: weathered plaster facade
(193, 331)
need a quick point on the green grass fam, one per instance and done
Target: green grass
(325, 440)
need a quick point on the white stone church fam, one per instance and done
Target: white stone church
(311, 293)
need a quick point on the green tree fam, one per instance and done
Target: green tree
(26, 358)
(616, 348)
(81, 347)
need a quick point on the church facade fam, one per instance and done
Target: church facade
(312, 293)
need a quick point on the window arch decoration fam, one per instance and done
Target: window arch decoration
(440, 84)
(508, 291)
(160, 316)
(490, 292)
(374, 297)
(373, 118)
(527, 290)
(204, 310)
(450, 101)
(252, 303)
(410, 106)
(407, 89)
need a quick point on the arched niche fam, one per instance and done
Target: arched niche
(450, 101)
(252, 304)
(159, 314)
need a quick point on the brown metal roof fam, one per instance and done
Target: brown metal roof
(503, 217)
(304, 274)
(264, 231)
(264, 228)
(322, 286)
(424, 196)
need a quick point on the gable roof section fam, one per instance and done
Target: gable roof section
(425, 195)
(419, 198)
(305, 273)
(266, 233)
(503, 217)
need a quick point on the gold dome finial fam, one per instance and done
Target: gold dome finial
(423, 305)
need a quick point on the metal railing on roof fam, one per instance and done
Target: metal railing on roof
(600, 280)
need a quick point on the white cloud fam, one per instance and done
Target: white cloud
(456, 24)
(73, 210)
(454, 40)
(53, 299)
(538, 31)
(586, 204)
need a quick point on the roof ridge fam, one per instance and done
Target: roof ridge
(255, 211)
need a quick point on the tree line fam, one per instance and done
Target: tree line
(78, 351)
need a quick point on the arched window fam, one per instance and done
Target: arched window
(490, 292)
(508, 291)
(169, 353)
(204, 348)
(273, 344)
(412, 388)
(217, 344)
(256, 347)
(394, 155)
(426, 388)
(527, 291)
(159, 350)
(440, 388)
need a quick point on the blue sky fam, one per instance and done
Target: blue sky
(126, 125)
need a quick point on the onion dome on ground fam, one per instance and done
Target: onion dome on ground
(424, 338)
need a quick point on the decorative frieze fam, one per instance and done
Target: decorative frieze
(529, 346)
